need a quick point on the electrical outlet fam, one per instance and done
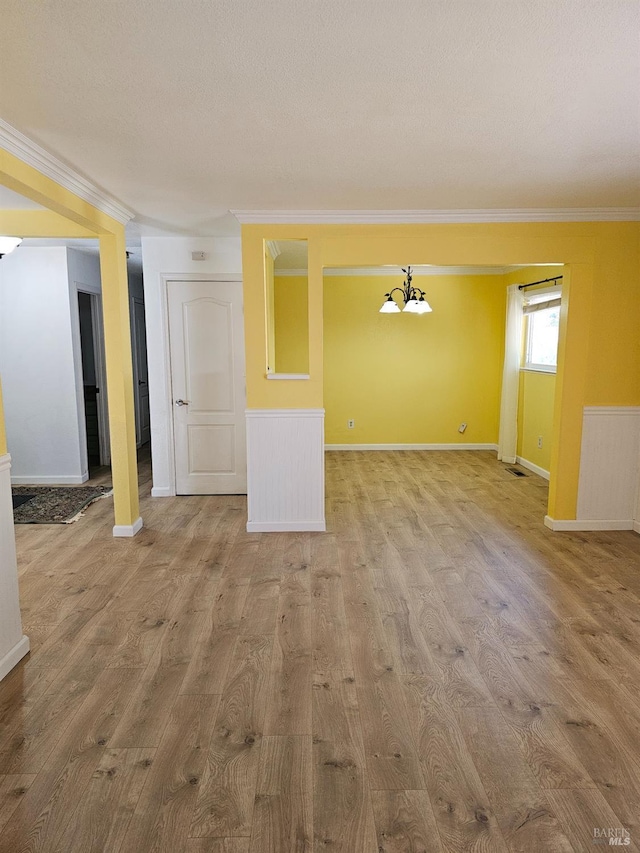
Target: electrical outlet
(351, 423)
(539, 442)
(462, 427)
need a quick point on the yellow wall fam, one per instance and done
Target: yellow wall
(291, 312)
(408, 379)
(84, 218)
(535, 416)
(599, 348)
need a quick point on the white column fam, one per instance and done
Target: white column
(13, 644)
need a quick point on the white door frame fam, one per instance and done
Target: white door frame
(166, 417)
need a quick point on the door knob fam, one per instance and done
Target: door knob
(182, 402)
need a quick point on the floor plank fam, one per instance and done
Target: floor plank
(283, 812)
(225, 799)
(405, 822)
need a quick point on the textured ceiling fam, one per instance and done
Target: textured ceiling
(184, 110)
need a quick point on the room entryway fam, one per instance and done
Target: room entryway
(93, 380)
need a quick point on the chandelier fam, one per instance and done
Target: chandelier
(413, 298)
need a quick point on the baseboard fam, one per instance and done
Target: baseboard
(162, 492)
(14, 656)
(588, 524)
(75, 480)
(636, 526)
(127, 530)
(411, 447)
(285, 526)
(531, 466)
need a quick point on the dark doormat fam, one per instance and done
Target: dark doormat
(18, 500)
(54, 504)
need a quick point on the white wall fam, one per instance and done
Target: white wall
(37, 366)
(165, 258)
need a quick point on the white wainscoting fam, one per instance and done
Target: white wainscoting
(285, 470)
(13, 644)
(609, 468)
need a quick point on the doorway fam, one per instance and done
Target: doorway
(140, 371)
(95, 404)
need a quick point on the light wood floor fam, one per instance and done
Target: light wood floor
(438, 672)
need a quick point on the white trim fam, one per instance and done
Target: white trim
(417, 270)
(162, 492)
(14, 656)
(5, 462)
(558, 524)
(541, 472)
(380, 217)
(20, 146)
(287, 375)
(632, 411)
(285, 526)
(284, 413)
(273, 248)
(71, 480)
(127, 530)
(636, 526)
(411, 447)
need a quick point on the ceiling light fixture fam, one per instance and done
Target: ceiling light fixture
(8, 244)
(413, 298)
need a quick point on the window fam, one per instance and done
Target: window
(542, 320)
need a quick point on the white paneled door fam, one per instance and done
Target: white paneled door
(208, 391)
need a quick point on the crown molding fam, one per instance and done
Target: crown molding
(417, 270)
(300, 272)
(29, 152)
(273, 248)
(427, 217)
